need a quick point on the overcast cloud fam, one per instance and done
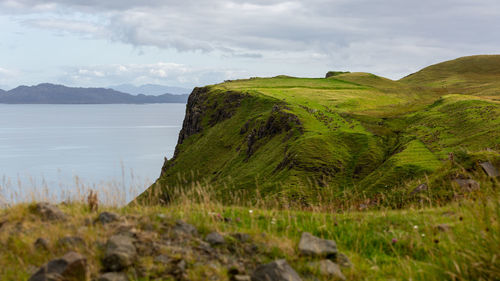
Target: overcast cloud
(253, 38)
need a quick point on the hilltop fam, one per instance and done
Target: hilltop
(310, 140)
(58, 94)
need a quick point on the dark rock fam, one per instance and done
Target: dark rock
(71, 267)
(49, 212)
(467, 184)
(242, 237)
(108, 217)
(328, 268)
(278, 270)
(420, 188)
(310, 245)
(42, 244)
(185, 228)
(71, 241)
(489, 169)
(215, 238)
(113, 276)
(343, 260)
(120, 253)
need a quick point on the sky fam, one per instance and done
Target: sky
(191, 43)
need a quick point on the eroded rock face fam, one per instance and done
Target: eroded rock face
(49, 212)
(71, 267)
(278, 270)
(311, 245)
(120, 253)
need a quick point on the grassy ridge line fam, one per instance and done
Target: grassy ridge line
(309, 138)
(456, 242)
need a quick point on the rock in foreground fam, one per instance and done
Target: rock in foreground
(278, 270)
(311, 245)
(71, 267)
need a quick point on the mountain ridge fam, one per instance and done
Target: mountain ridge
(47, 93)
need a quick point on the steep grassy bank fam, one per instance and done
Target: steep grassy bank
(311, 140)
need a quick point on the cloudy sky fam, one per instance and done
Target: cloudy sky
(188, 43)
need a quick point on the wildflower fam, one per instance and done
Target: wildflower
(394, 240)
(415, 226)
(273, 221)
(423, 235)
(250, 211)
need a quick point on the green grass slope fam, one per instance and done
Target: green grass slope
(476, 75)
(314, 139)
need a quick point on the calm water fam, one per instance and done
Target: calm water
(56, 150)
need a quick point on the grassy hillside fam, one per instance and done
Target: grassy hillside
(456, 242)
(474, 75)
(313, 140)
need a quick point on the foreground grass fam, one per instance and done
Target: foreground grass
(456, 242)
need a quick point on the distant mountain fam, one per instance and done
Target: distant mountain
(58, 94)
(150, 89)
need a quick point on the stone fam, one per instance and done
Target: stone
(420, 188)
(120, 253)
(71, 267)
(343, 260)
(311, 245)
(108, 217)
(185, 228)
(215, 238)
(278, 270)
(162, 259)
(242, 237)
(49, 212)
(489, 169)
(71, 241)
(42, 244)
(241, 278)
(328, 268)
(468, 184)
(113, 276)
(443, 227)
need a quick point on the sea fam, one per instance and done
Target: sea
(60, 152)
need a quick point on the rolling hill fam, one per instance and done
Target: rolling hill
(58, 94)
(314, 139)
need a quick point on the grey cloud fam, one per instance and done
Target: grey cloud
(381, 35)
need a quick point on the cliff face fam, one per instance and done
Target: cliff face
(313, 139)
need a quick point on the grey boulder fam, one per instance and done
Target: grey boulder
(278, 270)
(49, 212)
(72, 266)
(215, 238)
(328, 268)
(311, 245)
(120, 253)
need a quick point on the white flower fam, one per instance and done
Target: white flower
(250, 211)
(416, 226)
(423, 235)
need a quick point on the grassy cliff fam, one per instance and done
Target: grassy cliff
(310, 140)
